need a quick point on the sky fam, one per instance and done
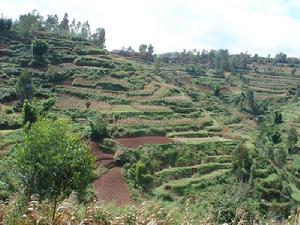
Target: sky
(257, 26)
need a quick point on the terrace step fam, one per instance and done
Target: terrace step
(176, 173)
(180, 186)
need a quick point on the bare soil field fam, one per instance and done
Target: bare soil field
(111, 187)
(137, 141)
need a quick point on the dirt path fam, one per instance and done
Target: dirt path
(111, 186)
(137, 141)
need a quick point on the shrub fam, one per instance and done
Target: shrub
(98, 130)
(24, 86)
(142, 178)
(96, 62)
(39, 48)
(69, 163)
(5, 24)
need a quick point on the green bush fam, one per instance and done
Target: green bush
(5, 24)
(95, 62)
(98, 130)
(39, 48)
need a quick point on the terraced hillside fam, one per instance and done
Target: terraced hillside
(170, 136)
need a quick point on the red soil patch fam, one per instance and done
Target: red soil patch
(204, 88)
(67, 83)
(112, 187)
(137, 141)
(228, 134)
(101, 157)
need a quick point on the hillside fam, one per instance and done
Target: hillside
(178, 133)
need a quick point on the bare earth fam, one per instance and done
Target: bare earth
(111, 186)
(137, 141)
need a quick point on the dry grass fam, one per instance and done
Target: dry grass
(165, 122)
(70, 102)
(151, 108)
(80, 80)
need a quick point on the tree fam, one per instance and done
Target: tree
(51, 23)
(281, 155)
(24, 86)
(30, 22)
(157, 64)
(278, 117)
(85, 30)
(39, 48)
(64, 24)
(243, 160)
(98, 129)
(216, 87)
(292, 139)
(99, 37)
(54, 161)
(142, 177)
(143, 50)
(249, 97)
(29, 114)
(5, 24)
(280, 58)
(34, 109)
(150, 53)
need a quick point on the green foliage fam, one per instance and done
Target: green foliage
(96, 62)
(29, 113)
(30, 22)
(39, 48)
(98, 38)
(243, 160)
(5, 24)
(24, 86)
(278, 117)
(157, 65)
(142, 177)
(51, 150)
(292, 139)
(195, 70)
(281, 155)
(33, 110)
(98, 129)
(9, 182)
(216, 87)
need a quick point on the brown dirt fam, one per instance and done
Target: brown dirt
(228, 134)
(204, 88)
(101, 157)
(111, 187)
(137, 141)
(67, 83)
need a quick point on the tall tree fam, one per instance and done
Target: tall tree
(150, 52)
(24, 86)
(51, 23)
(64, 24)
(85, 30)
(143, 50)
(30, 22)
(99, 37)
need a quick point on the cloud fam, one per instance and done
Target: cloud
(256, 26)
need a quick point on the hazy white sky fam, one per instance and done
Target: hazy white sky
(256, 26)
